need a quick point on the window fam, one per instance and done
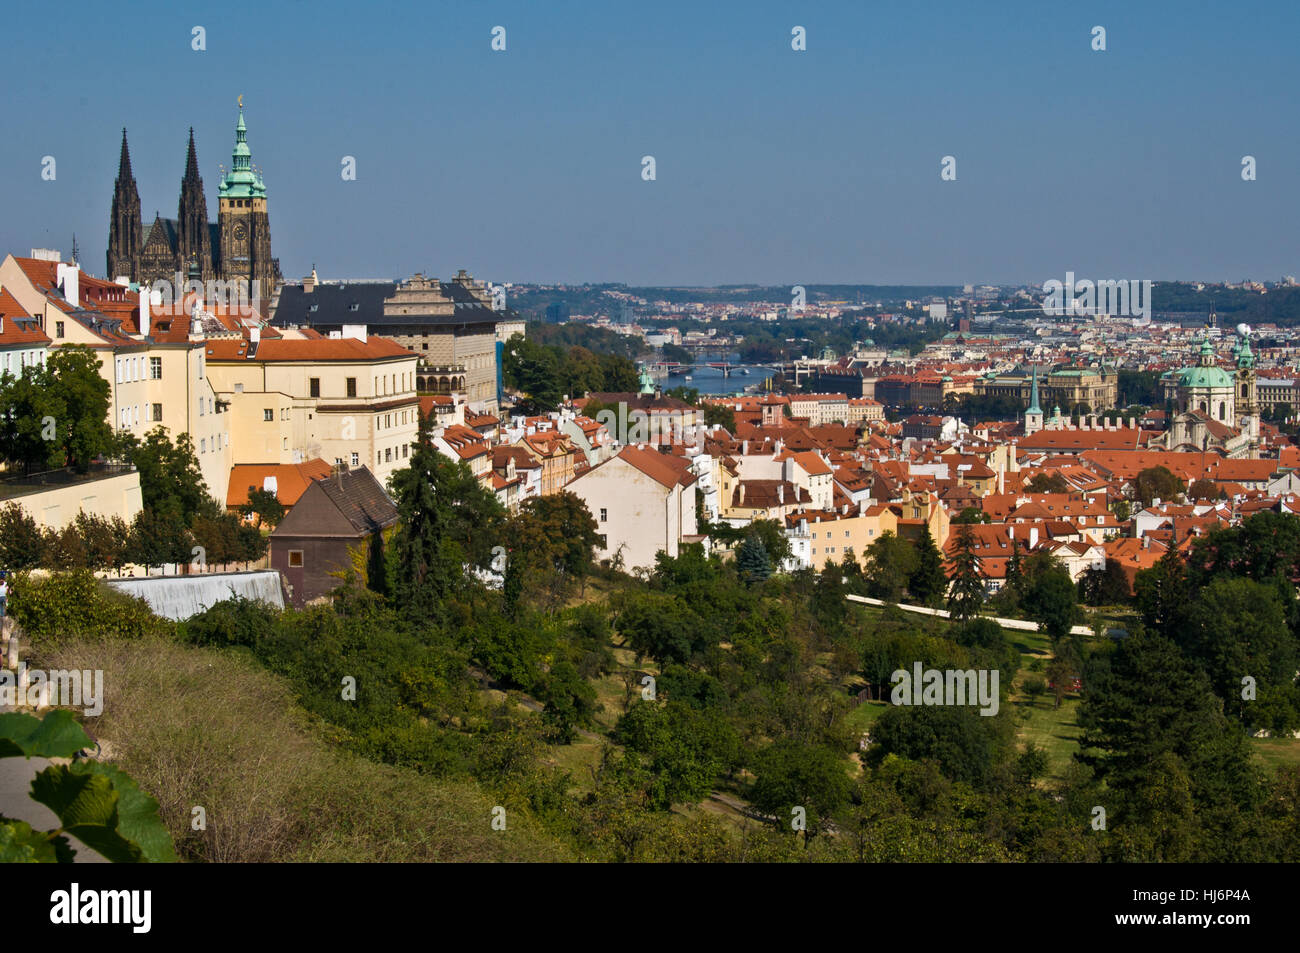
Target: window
(157, 412)
(155, 368)
(295, 559)
(315, 387)
(203, 445)
(58, 329)
(406, 450)
(200, 406)
(388, 455)
(356, 459)
(352, 387)
(604, 540)
(604, 514)
(268, 414)
(286, 443)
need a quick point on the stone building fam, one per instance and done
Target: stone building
(1071, 388)
(451, 326)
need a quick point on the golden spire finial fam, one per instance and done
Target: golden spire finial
(241, 100)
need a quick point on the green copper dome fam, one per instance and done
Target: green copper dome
(241, 182)
(1205, 377)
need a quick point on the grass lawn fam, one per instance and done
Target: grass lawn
(1275, 753)
(864, 716)
(1055, 730)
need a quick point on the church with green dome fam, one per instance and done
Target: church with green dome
(1214, 409)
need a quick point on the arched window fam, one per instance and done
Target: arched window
(1204, 409)
(1223, 410)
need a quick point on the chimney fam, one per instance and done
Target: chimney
(1033, 536)
(144, 310)
(780, 493)
(67, 276)
(356, 331)
(255, 335)
(1132, 422)
(309, 283)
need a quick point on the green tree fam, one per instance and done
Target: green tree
(158, 538)
(20, 538)
(891, 562)
(1156, 482)
(33, 411)
(1163, 593)
(928, 582)
(966, 595)
(1052, 601)
(752, 561)
(1048, 483)
(83, 432)
(794, 782)
(424, 565)
(265, 505)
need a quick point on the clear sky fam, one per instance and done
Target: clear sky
(772, 165)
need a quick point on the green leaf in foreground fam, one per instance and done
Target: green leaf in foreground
(137, 812)
(86, 805)
(57, 735)
(19, 844)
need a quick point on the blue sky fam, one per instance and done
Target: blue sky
(772, 166)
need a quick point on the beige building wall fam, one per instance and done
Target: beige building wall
(375, 428)
(116, 495)
(830, 539)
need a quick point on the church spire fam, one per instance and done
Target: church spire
(124, 162)
(1033, 394)
(192, 162)
(125, 230)
(193, 235)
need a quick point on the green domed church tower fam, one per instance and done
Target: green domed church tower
(1247, 387)
(243, 221)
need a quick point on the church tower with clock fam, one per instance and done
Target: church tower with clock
(242, 219)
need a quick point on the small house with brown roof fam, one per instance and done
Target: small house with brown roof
(346, 511)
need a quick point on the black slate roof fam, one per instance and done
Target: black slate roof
(329, 307)
(361, 499)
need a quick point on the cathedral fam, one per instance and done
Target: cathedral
(236, 246)
(1214, 409)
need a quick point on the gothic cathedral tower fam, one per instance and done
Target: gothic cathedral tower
(242, 218)
(193, 236)
(125, 229)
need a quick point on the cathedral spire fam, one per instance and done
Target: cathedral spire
(192, 162)
(192, 233)
(125, 230)
(124, 161)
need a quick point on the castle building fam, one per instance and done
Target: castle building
(236, 246)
